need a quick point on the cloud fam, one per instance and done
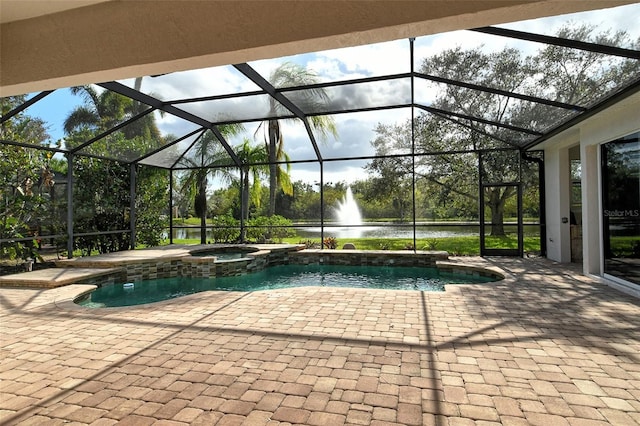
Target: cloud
(355, 133)
(622, 17)
(230, 110)
(363, 61)
(195, 83)
(334, 172)
(169, 124)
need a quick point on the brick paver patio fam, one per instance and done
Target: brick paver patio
(547, 346)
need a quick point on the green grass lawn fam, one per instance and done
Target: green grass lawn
(461, 246)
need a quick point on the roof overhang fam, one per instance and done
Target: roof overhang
(47, 45)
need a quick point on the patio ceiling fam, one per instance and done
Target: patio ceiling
(203, 114)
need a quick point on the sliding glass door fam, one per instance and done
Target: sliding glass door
(621, 208)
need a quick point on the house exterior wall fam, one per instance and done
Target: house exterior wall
(591, 220)
(557, 178)
(613, 123)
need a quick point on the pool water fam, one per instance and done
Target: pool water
(286, 276)
(222, 255)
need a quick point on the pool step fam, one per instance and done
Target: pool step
(57, 277)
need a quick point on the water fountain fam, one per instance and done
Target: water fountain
(347, 210)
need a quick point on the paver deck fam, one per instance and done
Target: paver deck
(164, 252)
(547, 346)
(52, 277)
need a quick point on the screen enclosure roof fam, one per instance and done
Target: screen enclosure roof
(383, 82)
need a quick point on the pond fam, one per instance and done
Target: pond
(369, 230)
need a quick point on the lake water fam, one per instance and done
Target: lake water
(366, 231)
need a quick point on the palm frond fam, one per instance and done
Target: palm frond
(88, 93)
(81, 117)
(284, 181)
(325, 125)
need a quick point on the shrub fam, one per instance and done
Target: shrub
(269, 228)
(330, 243)
(226, 229)
(432, 244)
(309, 244)
(149, 228)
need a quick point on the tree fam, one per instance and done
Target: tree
(505, 69)
(254, 165)
(102, 187)
(288, 75)
(391, 169)
(305, 204)
(581, 77)
(26, 180)
(569, 75)
(254, 159)
(208, 158)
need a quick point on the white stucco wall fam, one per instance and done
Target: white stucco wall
(611, 124)
(591, 221)
(558, 197)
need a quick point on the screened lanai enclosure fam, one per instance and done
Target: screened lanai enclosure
(400, 144)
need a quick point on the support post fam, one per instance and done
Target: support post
(69, 205)
(171, 206)
(481, 203)
(132, 204)
(520, 210)
(413, 145)
(243, 231)
(321, 205)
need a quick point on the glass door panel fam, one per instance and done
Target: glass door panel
(621, 208)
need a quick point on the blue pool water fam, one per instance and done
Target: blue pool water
(392, 278)
(222, 255)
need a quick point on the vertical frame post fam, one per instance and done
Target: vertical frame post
(242, 206)
(70, 205)
(481, 203)
(413, 146)
(543, 207)
(520, 209)
(321, 205)
(132, 203)
(171, 206)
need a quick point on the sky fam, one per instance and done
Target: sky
(356, 131)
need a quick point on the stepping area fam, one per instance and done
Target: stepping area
(55, 277)
(546, 346)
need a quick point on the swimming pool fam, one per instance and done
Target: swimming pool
(224, 253)
(277, 277)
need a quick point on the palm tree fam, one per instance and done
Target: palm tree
(97, 113)
(103, 110)
(100, 111)
(106, 206)
(208, 156)
(288, 75)
(254, 165)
